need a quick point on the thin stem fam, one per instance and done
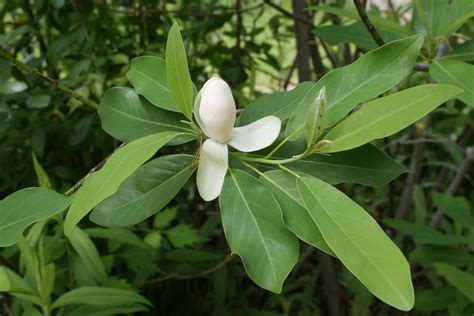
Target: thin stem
(368, 24)
(54, 83)
(268, 161)
(251, 167)
(289, 170)
(283, 142)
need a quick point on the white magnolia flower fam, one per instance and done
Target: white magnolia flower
(214, 110)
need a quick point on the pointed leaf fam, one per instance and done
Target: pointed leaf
(359, 242)
(99, 296)
(41, 175)
(295, 215)
(366, 78)
(177, 73)
(316, 117)
(4, 281)
(456, 73)
(150, 188)
(463, 281)
(103, 183)
(122, 107)
(385, 116)
(88, 254)
(148, 76)
(24, 207)
(254, 229)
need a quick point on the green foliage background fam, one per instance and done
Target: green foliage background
(179, 259)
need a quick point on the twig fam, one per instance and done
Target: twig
(421, 67)
(288, 14)
(97, 167)
(175, 276)
(455, 184)
(365, 19)
(140, 11)
(35, 73)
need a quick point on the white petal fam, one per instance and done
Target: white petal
(217, 110)
(257, 135)
(213, 163)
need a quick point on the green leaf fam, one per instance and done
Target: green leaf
(279, 104)
(88, 254)
(20, 288)
(38, 101)
(41, 175)
(316, 117)
(423, 234)
(377, 20)
(24, 207)
(457, 73)
(359, 242)
(103, 183)
(122, 107)
(435, 299)
(177, 73)
(365, 165)
(385, 116)
(148, 76)
(296, 216)
(366, 78)
(163, 219)
(254, 229)
(11, 87)
(182, 235)
(4, 281)
(145, 192)
(355, 33)
(153, 239)
(119, 234)
(463, 52)
(99, 296)
(462, 281)
(458, 208)
(453, 256)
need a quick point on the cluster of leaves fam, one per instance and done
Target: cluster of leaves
(92, 270)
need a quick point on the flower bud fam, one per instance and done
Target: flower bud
(217, 110)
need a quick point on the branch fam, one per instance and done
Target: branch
(140, 11)
(288, 14)
(54, 83)
(175, 276)
(97, 167)
(455, 184)
(370, 27)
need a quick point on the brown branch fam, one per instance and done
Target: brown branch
(288, 14)
(365, 19)
(455, 184)
(97, 167)
(175, 276)
(54, 83)
(140, 11)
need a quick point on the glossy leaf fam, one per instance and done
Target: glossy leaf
(122, 107)
(145, 192)
(366, 78)
(316, 117)
(177, 73)
(41, 175)
(103, 183)
(4, 281)
(279, 104)
(295, 215)
(254, 229)
(88, 254)
(463, 281)
(365, 165)
(148, 76)
(463, 52)
(24, 207)
(99, 296)
(359, 242)
(385, 116)
(423, 234)
(456, 73)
